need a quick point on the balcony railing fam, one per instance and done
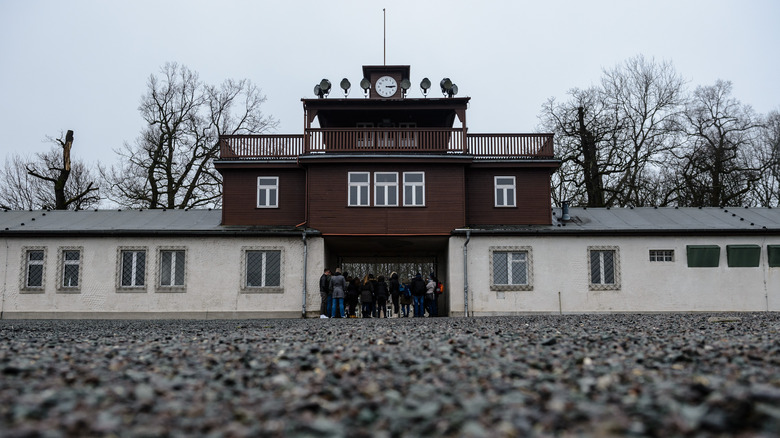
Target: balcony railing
(384, 140)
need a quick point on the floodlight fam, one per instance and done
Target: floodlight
(365, 84)
(405, 85)
(425, 85)
(345, 85)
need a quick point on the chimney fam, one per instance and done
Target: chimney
(565, 211)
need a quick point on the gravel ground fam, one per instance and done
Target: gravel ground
(576, 375)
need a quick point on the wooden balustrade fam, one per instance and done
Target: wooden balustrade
(511, 145)
(386, 140)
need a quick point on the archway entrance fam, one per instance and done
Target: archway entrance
(382, 255)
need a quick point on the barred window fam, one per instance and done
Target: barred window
(268, 192)
(661, 255)
(414, 189)
(133, 268)
(34, 275)
(71, 268)
(172, 268)
(359, 184)
(263, 269)
(505, 191)
(603, 264)
(386, 189)
(510, 268)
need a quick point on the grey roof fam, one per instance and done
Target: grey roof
(668, 220)
(124, 222)
(671, 219)
(651, 220)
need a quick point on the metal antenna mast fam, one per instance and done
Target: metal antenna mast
(384, 37)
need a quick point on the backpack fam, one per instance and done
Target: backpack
(439, 288)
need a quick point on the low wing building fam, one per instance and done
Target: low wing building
(378, 184)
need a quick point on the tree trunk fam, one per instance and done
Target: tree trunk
(594, 186)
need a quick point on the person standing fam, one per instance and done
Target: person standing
(395, 292)
(435, 298)
(367, 296)
(405, 299)
(325, 294)
(430, 288)
(380, 292)
(338, 285)
(353, 296)
(417, 288)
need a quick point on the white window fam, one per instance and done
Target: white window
(263, 269)
(505, 191)
(386, 189)
(172, 267)
(132, 268)
(603, 265)
(510, 268)
(661, 255)
(70, 260)
(414, 189)
(359, 186)
(268, 192)
(34, 268)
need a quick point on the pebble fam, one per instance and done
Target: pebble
(571, 375)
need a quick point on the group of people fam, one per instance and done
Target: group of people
(342, 294)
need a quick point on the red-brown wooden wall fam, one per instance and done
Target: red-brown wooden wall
(533, 197)
(443, 211)
(239, 199)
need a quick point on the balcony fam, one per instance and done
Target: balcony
(386, 140)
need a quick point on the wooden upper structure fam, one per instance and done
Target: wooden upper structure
(379, 136)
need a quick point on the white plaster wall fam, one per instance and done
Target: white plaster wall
(213, 278)
(560, 265)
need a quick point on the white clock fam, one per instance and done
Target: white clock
(386, 86)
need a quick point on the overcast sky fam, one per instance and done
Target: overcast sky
(83, 65)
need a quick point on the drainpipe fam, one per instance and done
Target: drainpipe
(466, 275)
(305, 257)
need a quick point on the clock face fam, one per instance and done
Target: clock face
(386, 86)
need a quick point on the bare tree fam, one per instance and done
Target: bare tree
(612, 139)
(51, 180)
(583, 126)
(647, 98)
(718, 166)
(170, 165)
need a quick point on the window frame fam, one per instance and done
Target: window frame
(120, 265)
(527, 250)
(160, 287)
(268, 189)
(61, 268)
(359, 185)
(661, 255)
(24, 274)
(413, 185)
(245, 287)
(615, 285)
(387, 188)
(503, 188)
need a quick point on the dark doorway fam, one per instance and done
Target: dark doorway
(406, 267)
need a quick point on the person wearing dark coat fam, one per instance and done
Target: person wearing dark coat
(380, 295)
(418, 289)
(325, 296)
(367, 296)
(353, 296)
(395, 293)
